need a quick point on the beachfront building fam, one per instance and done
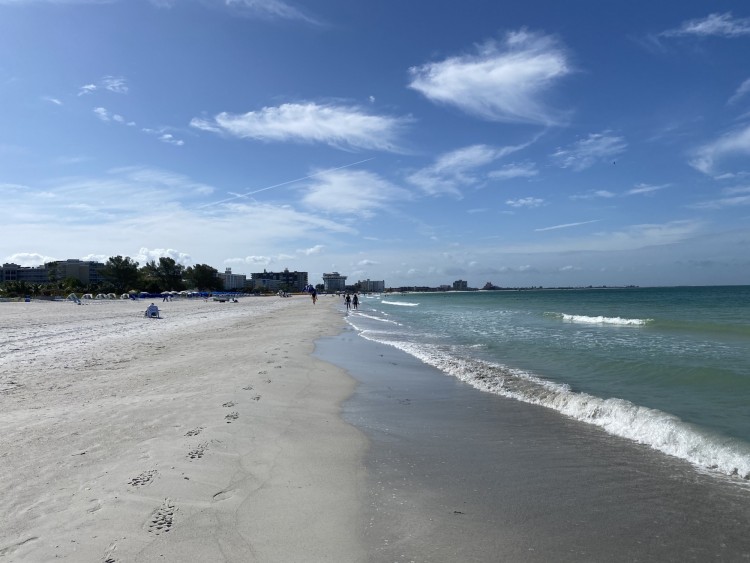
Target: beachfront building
(86, 271)
(460, 285)
(369, 286)
(334, 282)
(233, 281)
(28, 274)
(290, 281)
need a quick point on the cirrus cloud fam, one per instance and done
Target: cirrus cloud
(347, 127)
(501, 82)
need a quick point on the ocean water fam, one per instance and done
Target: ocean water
(665, 367)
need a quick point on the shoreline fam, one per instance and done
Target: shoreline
(208, 435)
(455, 473)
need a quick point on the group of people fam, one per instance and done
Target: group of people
(351, 301)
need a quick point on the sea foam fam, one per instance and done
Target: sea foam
(652, 427)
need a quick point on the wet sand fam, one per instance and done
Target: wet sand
(456, 474)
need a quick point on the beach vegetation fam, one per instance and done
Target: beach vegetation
(204, 278)
(121, 273)
(166, 275)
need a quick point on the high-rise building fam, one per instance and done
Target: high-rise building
(372, 286)
(334, 282)
(233, 281)
(292, 281)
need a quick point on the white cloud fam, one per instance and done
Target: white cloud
(529, 202)
(720, 25)
(269, 9)
(102, 114)
(642, 189)
(28, 259)
(458, 169)
(145, 255)
(733, 143)
(565, 226)
(741, 92)
(594, 194)
(116, 84)
(502, 82)
(313, 251)
(339, 126)
(170, 139)
(510, 171)
(351, 192)
(52, 100)
(736, 197)
(586, 152)
(86, 89)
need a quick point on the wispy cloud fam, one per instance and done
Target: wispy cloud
(733, 143)
(741, 92)
(565, 226)
(351, 192)
(717, 25)
(734, 197)
(269, 9)
(510, 171)
(642, 189)
(502, 82)
(347, 127)
(528, 202)
(116, 84)
(459, 169)
(587, 152)
(593, 194)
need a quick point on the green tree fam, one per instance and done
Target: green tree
(166, 275)
(122, 273)
(205, 278)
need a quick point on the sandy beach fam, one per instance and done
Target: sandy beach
(210, 434)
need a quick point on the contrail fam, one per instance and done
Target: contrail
(237, 196)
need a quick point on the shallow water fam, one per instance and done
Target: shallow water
(668, 367)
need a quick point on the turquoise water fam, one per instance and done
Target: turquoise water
(667, 367)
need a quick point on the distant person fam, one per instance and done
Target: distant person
(313, 295)
(152, 311)
(355, 301)
(348, 300)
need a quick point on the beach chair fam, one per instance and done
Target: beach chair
(152, 312)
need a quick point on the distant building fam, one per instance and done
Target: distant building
(371, 286)
(14, 272)
(460, 285)
(334, 282)
(86, 271)
(233, 281)
(292, 281)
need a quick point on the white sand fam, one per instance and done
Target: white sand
(208, 435)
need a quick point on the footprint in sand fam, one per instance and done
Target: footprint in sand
(194, 431)
(161, 519)
(248, 388)
(232, 416)
(229, 404)
(223, 495)
(198, 452)
(256, 398)
(143, 479)
(262, 372)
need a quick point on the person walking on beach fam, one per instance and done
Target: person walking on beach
(313, 294)
(355, 301)
(348, 300)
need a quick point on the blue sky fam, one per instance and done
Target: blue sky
(522, 143)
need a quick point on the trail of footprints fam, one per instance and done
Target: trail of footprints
(162, 518)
